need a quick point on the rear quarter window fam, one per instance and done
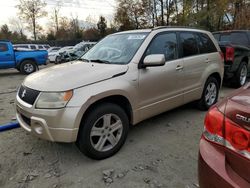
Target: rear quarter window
(206, 45)
(3, 47)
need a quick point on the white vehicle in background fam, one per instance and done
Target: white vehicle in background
(53, 49)
(32, 46)
(78, 51)
(54, 56)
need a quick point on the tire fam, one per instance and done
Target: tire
(241, 75)
(209, 99)
(97, 144)
(28, 67)
(57, 60)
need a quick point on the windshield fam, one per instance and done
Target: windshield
(115, 49)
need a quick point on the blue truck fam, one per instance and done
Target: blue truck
(24, 61)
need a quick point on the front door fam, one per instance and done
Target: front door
(160, 88)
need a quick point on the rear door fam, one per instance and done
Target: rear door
(194, 63)
(7, 59)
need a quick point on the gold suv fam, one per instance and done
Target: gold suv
(125, 78)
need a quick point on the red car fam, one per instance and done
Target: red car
(224, 156)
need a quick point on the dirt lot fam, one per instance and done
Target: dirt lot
(159, 152)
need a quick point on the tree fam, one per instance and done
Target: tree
(16, 25)
(102, 26)
(133, 14)
(30, 11)
(5, 32)
(55, 16)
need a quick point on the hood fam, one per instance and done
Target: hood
(53, 53)
(72, 75)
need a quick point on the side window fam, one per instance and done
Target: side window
(32, 47)
(164, 44)
(3, 47)
(217, 36)
(206, 45)
(225, 37)
(239, 38)
(189, 44)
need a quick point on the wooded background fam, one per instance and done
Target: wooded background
(210, 15)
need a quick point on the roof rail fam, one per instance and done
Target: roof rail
(165, 27)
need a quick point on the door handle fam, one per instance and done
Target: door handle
(179, 67)
(207, 61)
(7, 54)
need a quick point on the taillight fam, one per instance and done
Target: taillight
(237, 138)
(223, 131)
(229, 54)
(214, 121)
(213, 130)
(222, 56)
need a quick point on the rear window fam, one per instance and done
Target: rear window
(206, 45)
(239, 38)
(189, 44)
(3, 47)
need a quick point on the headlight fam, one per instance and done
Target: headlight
(54, 100)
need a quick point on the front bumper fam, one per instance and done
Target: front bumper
(57, 125)
(213, 169)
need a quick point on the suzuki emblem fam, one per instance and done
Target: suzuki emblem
(24, 93)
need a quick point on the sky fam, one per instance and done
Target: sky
(69, 8)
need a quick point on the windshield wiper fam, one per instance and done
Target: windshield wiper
(82, 59)
(100, 61)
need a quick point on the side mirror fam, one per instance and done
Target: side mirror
(154, 60)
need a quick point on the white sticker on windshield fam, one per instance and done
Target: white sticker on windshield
(136, 37)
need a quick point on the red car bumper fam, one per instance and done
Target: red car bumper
(214, 172)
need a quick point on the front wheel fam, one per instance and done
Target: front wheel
(210, 94)
(28, 67)
(103, 131)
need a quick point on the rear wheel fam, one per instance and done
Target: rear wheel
(28, 67)
(103, 131)
(210, 94)
(240, 77)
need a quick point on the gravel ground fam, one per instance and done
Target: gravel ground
(160, 152)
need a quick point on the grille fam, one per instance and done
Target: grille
(28, 95)
(26, 120)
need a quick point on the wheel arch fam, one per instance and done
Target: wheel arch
(245, 59)
(118, 99)
(28, 59)
(217, 76)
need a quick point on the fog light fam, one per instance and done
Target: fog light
(38, 128)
